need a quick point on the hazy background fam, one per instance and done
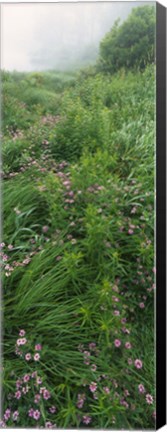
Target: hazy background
(58, 36)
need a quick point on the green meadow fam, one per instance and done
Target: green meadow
(77, 248)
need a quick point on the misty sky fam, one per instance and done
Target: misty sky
(57, 35)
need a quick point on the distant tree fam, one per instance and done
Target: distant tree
(130, 44)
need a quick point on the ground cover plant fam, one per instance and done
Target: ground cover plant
(77, 253)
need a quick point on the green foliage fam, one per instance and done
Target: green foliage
(77, 264)
(131, 44)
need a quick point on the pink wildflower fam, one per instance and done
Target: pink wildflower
(114, 298)
(39, 380)
(81, 400)
(142, 305)
(28, 356)
(141, 388)
(138, 364)
(36, 414)
(22, 333)
(80, 404)
(18, 394)
(42, 390)
(86, 357)
(128, 345)
(38, 347)
(36, 357)
(116, 312)
(7, 414)
(117, 343)
(93, 387)
(149, 399)
(26, 378)
(5, 258)
(46, 394)
(18, 383)
(93, 367)
(124, 403)
(45, 228)
(10, 247)
(92, 346)
(48, 425)
(86, 419)
(37, 398)
(15, 415)
(23, 341)
(126, 392)
(106, 390)
(31, 412)
(130, 231)
(52, 409)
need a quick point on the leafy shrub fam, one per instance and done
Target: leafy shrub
(130, 44)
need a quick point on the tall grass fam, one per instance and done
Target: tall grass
(78, 252)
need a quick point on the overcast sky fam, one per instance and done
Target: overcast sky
(41, 36)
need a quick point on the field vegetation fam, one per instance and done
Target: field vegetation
(77, 252)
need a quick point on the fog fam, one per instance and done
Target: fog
(58, 36)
